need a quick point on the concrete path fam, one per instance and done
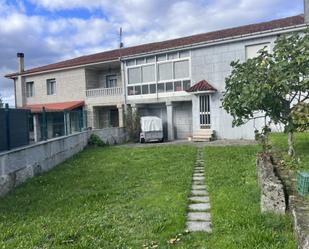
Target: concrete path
(198, 217)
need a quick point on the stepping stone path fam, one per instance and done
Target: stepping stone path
(198, 217)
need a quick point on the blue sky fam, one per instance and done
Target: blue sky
(51, 30)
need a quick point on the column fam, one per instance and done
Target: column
(170, 121)
(120, 115)
(36, 128)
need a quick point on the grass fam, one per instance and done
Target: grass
(301, 143)
(120, 197)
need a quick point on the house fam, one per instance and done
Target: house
(180, 80)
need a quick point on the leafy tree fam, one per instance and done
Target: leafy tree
(273, 84)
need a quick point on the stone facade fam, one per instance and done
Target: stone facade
(272, 191)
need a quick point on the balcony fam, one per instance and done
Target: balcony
(104, 96)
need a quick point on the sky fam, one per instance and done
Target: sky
(48, 31)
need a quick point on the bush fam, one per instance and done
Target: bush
(95, 140)
(133, 125)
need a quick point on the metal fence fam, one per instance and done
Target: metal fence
(14, 128)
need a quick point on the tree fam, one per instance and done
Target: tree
(273, 83)
(1, 103)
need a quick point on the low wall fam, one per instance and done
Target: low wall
(18, 165)
(272, 191)
(112, 135)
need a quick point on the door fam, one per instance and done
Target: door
(183, 120)
(205, 121)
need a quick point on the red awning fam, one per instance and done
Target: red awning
(201, 86)
(55, 107)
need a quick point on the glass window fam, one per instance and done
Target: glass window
(153, 88)
(184, 54)
(177, 86)
(130, 62)
(181, 69)
(150, 59)
(161, 88)
(186, 84)
(148, 73)
(140, 61)
(145, 89)
(130, 90)
(51, 86)
(161, 57)
(169, 87)
(137, 90)
(134, 75)
(172, 56)
(165, 71)
(30, 89)
(111, 81)
(253, 50)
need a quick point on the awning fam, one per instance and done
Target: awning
(201, 87)
(55, 107)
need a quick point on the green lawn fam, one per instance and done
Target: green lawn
(119, 197)
(301, 142)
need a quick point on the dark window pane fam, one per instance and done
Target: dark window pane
(145, 89)
(169, 87)
(186, 85)
(161, 88)
(130, 90)
(177, 86)
(153, 88)
(137, 90)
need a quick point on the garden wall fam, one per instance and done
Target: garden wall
(272, 191)
(112, 135)
(18, 165)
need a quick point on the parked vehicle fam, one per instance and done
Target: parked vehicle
(151, 129)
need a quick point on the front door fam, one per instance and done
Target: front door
(204, 111)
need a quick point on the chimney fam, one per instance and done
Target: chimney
(21, 63)
(306, 11)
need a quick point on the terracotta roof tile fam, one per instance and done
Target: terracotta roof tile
(201, 86)
(54, 107)
(169, 44)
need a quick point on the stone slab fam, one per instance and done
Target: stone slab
(199, 206)
(198, 175)
(199, 216)
(198, 187)
(199, 198)
(199, 192)
(198, 178)
(198, 183)
(199, 226)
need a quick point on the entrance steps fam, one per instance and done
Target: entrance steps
(203, 135)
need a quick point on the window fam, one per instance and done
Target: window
(172, 56)
(153, 88)
(181, 69)
(186, 85)
(252, 50)
(140, 61)
(177, 86)
(134, 75)
(131, 63)
(165, 71)
(150, 59)
(51, 86)
(148, 73)
(111, 81)
(145, 89)
(161, 57)
(169, 87)
(184, 54)
(30, 89)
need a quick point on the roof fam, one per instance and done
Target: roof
(169, 44)
(201, 86)
(55, 107)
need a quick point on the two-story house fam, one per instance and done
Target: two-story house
(180, 80)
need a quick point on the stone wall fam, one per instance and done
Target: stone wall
(112, 135)
(18, 165)
(272, 191)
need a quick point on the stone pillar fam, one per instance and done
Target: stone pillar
(36, 128)
(120, 115)
(170, 121)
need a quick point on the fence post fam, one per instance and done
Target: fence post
(8, 132)
(44, 123)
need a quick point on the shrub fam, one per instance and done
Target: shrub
(95, 140)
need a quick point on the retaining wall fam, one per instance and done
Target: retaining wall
(112, 135)
(272, 191)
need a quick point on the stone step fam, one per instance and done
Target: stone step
(199, 216)
(199, 226)
(199, 192)
(198, 178)
(198, 187)
(199, 198)
(199, 206)
(198, 175)
(198, 183)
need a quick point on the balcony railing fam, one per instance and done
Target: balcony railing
(101, 92)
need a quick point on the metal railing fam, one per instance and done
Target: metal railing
(101, 92)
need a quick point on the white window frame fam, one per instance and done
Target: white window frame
(48, 83)
(30, 94)
(107, 81)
